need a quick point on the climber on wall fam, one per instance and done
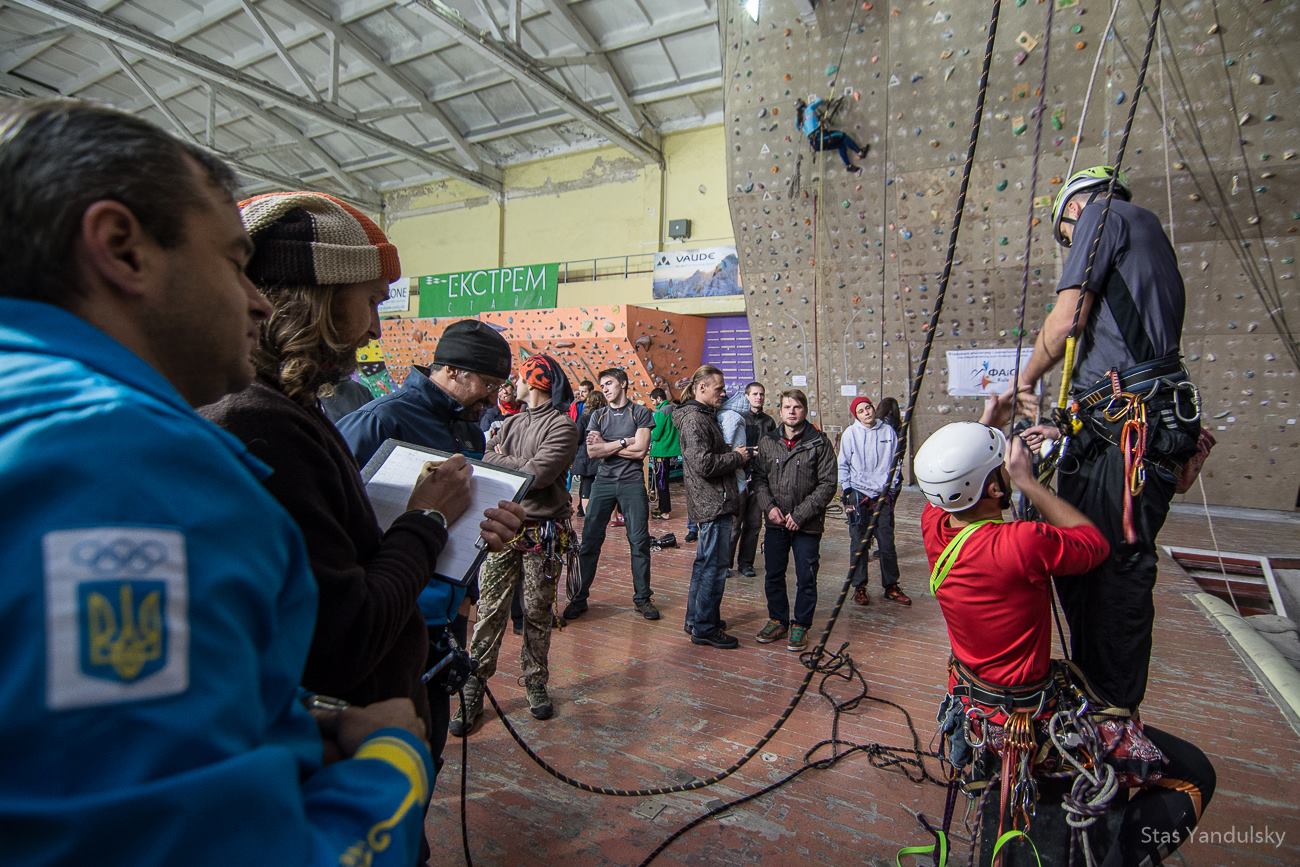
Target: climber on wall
(811, 120)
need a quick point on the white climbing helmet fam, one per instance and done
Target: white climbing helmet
(954, 462)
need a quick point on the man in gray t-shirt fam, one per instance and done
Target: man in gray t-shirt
(1131, 308)
(619, 437)
(1135, 274)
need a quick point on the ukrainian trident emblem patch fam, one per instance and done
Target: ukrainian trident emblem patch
(117, 622)
(123, 633)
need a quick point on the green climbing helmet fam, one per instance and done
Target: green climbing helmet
(1095, 178)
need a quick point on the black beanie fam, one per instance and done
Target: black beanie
(473, 345)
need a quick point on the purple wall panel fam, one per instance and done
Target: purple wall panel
(727, 346)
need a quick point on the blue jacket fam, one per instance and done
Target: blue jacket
(812, 120)
(157, 607)
(422, 414)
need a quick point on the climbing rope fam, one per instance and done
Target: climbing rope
(1092, 80)
(840, 666)
(817, 660)
(1169, 195)
(1225, 219)
(1067, 373)
(847, 33)
(1040, 110)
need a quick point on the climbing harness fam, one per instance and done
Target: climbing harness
(552, 540)
(1054, 730)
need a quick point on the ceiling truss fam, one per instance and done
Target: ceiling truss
(295, 124)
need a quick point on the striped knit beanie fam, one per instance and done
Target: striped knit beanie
(312, 239)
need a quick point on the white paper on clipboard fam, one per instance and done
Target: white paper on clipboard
(390, 475)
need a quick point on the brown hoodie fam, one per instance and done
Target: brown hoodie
(540, 441)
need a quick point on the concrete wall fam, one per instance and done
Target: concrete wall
(594, 204)
(842, 271)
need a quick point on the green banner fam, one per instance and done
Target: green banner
(465, 293)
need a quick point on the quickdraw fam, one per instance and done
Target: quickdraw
(1131, 409)
(553, 541)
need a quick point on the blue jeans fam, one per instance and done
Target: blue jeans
(708, 576)
(777, 545)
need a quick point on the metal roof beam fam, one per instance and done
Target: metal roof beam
(570, 21)
(351, 184)
(183, 58)
(372, 199)
(268, 33)
(532, 122)
(487, 16)
(9, 58)
(341, 34)
(410, 51)
(644, 145)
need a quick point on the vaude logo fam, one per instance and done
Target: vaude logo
(688, 258)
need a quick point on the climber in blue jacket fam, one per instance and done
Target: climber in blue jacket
(157, 602)
(810, 121)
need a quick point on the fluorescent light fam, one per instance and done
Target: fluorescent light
(751, 6)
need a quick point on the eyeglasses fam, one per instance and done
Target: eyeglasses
(488, 383)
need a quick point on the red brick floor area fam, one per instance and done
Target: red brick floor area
(637, 705)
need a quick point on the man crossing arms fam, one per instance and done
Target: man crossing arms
(619, 436)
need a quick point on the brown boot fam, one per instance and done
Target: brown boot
(896, 594)
(860, 595)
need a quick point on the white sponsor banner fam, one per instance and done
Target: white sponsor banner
(399, 297)
(980, 372)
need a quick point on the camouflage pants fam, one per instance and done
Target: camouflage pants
(501, 573)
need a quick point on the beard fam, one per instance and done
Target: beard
(1004, 501)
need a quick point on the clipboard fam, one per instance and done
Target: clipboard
(390, 475)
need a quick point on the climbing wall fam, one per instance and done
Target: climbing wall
(657, 349)
(841, 271)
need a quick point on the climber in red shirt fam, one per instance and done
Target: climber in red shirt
(996, 594)
(993, 583)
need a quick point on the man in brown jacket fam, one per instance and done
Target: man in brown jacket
(794, 480)
(711, 502)
(541, 440)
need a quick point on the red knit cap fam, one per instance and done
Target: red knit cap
(858, 401)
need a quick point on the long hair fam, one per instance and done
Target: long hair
(890, 414)
(704, 371)
(595, 400)
(300, 350)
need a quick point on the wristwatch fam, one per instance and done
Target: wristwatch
(623, 442)
(435, 515)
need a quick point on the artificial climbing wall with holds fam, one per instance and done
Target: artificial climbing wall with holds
(841, 270)
(657, 349)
